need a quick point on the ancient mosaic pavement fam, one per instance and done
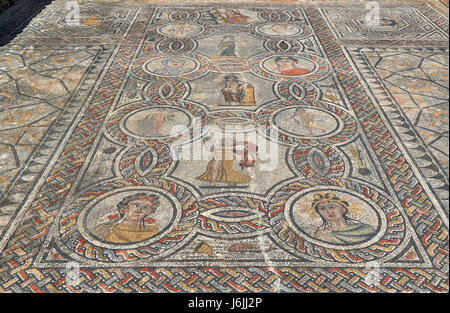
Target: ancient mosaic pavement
(231, 148)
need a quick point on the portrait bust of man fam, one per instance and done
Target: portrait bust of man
(132, 222)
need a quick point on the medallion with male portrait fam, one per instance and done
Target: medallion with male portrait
(129, 218)
(170, 66)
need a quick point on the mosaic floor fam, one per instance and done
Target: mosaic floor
(240, 147)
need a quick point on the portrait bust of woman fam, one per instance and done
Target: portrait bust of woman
(336, 226)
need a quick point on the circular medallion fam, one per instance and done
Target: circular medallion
(292, 67)
(335, 220)
(156, 122)
(170, 66)
(118, 221)
(185, 30)
(279, 29)
(144, 121)
(129, 216)
(180, 30)
(307, 124)
(334, 216)
(289, 66)
(187, 66)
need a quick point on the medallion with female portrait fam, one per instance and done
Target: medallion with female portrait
(335, 217)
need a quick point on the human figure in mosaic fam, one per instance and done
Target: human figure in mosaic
(220, 168)
(234, 16)
(289, 66)
(132, 222)
(336, 226)
(237, 92)
(104, 161)
(172, 66)
(157, 121)
(305, 119)
(228, 46)
(249, 95)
